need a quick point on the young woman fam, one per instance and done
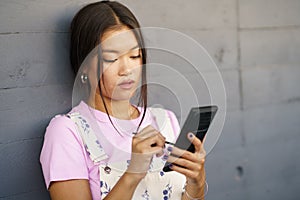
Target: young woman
(81, 148)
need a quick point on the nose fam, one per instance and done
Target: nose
(125, 68)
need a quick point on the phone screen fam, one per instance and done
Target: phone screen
(197, 122)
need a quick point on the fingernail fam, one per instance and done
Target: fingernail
(170, 165)
(165, 157)
(191, 135)
(169, 148)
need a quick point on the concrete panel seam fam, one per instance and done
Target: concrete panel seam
(21, 140)
(34, 86)
(271, 28)
(22, 193)
(26, 32)
(239, 56)
(283, 102)
(240, 81)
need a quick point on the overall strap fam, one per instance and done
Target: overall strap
(92, 144)
(90, 141)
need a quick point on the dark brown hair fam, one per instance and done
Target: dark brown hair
(87, 29)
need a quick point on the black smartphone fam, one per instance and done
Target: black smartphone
(197, 122)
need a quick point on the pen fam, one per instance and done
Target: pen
(153, 145)
(167, 142)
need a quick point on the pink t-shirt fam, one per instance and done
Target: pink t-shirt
(63, 156)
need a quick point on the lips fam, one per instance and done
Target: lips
(127, 84)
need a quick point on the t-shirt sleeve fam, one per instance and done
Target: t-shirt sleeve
(63, 156)
(174, 123)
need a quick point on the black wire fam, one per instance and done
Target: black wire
(100, 90)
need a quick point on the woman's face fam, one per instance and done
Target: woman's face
(122, 65)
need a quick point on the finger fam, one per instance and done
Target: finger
(194, 157)
(184, 154)
(158, 140)
(147, 150)
(194, 166)
(153, 141)
(159, 154)
(195, 141)
(185, 171)
(146, 132)
(191, 162)
(161, 136)
(156, 150)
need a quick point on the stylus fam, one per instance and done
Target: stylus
(134, 133)
(169, 143)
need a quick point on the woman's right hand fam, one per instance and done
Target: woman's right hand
(145, 144)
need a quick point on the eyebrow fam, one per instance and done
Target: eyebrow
(115, 51)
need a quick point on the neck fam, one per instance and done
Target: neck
(118, 109)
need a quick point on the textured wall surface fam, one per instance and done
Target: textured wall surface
(255, 44)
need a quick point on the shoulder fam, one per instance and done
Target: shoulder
(61, 139)
(62, 124)
(59, 122)
(61, 129)
(63, 155)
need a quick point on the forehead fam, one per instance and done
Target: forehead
(118, 41)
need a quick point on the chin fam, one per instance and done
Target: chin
(121, 98)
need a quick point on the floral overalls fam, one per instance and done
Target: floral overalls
(156, 185)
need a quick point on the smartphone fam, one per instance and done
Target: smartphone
(197, 122)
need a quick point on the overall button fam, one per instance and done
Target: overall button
(107, 169)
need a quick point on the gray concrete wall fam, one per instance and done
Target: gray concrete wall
(255, 44)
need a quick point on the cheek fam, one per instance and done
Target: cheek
(137, 66)
(140, 71)
(93, 81)
(110, 69)
(109, 80)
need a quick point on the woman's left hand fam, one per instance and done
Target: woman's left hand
(187, 163)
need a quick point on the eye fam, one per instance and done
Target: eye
(135, 57)
(109, 61)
